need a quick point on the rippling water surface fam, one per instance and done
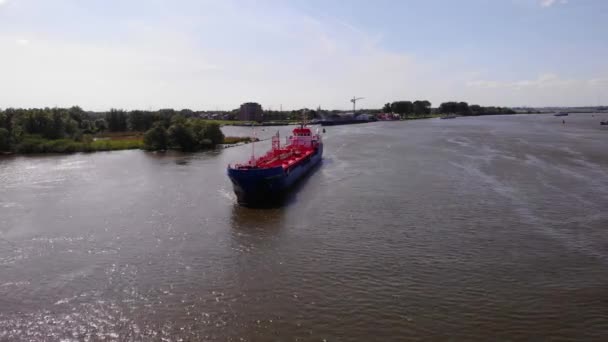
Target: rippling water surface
(472, 229)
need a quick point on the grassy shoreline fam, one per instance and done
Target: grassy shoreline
(237, 140)
(114, 141)
(416, 117)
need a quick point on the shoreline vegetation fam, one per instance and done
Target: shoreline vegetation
(69, 130)
(408, 110)
(36, 144)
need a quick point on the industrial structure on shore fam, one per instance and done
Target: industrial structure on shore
(251, 111)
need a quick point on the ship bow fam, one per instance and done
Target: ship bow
(254, 186)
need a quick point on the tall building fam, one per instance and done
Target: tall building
(251, 111)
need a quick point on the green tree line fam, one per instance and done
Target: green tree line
(463, 108)
(423, 108)
(72, 129)
(184, 134)
(408, 108)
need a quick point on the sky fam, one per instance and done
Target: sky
(215, 55)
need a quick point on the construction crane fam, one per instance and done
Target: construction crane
(354, 101)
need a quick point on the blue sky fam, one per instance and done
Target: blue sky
(302, 53)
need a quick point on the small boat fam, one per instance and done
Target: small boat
(449, 117)
(268, 178)
(603, 123)
(561, 114)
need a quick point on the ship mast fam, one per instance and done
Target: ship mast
(252, 161)
(303, 118)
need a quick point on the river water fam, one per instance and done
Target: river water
(482, 228)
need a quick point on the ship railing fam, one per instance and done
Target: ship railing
(242, 166)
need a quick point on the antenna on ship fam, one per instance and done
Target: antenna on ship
(303, 118)
(253, 146)
(354, 101)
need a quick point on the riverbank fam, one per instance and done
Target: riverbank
(418, 117)
(37, 144)
(114, 141)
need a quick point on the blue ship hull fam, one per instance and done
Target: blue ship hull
(260, 186)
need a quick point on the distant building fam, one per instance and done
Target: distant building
(251, 111)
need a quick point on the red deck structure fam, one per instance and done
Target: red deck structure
(298, 147)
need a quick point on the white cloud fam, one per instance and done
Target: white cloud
(199, 58)
(549, 3)
(546, 89)
(599, 82)
(289, 59)
(543, 81)
(55, 72)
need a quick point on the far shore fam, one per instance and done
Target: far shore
(131, 140)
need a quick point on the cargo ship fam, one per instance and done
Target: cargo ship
(268, 178)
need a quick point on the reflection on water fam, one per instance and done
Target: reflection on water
(182, 161)
(253, 228)
(487, 228)
(244, 218)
